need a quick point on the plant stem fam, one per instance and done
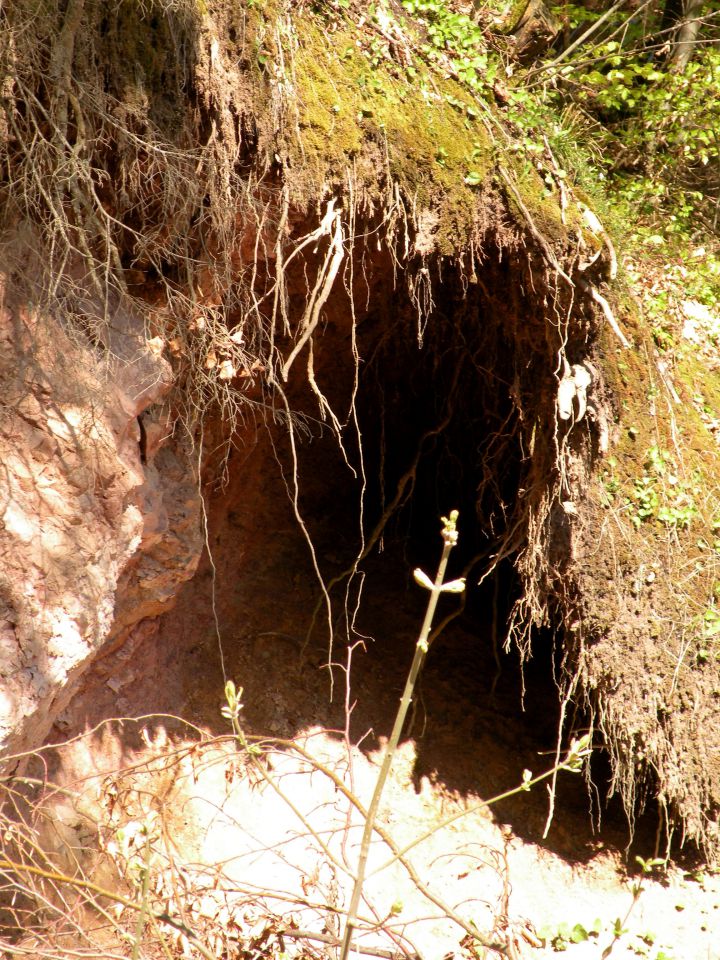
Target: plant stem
(449, 535)
(144, 888)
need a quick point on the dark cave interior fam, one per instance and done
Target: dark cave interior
(438, 415)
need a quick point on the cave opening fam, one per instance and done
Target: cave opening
(431, 419)
(330, 497)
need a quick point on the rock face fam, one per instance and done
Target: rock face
(99, 514)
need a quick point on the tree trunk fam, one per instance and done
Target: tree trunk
(687, 32)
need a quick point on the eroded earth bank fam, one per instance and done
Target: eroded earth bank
(254, 345)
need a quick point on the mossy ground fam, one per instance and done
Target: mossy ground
(416, 127)
(425, 133)
(650, 573)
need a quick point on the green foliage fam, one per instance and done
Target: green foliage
(659, 495)
(611, 482)
(708, 631)
(658, 126)
(460, 38)
(560, 937)
(573, 14)
(629, 83)
(651, 864)
(666, 123)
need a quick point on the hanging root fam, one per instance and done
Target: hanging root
(606, 309)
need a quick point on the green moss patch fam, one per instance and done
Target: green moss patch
(423, 131)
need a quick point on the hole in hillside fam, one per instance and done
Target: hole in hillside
(439, 427)
(440, 421)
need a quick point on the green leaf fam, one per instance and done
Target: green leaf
(422, 579)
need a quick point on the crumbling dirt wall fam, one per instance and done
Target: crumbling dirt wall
(97, 531)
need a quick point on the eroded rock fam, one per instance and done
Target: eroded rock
(92, 539)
